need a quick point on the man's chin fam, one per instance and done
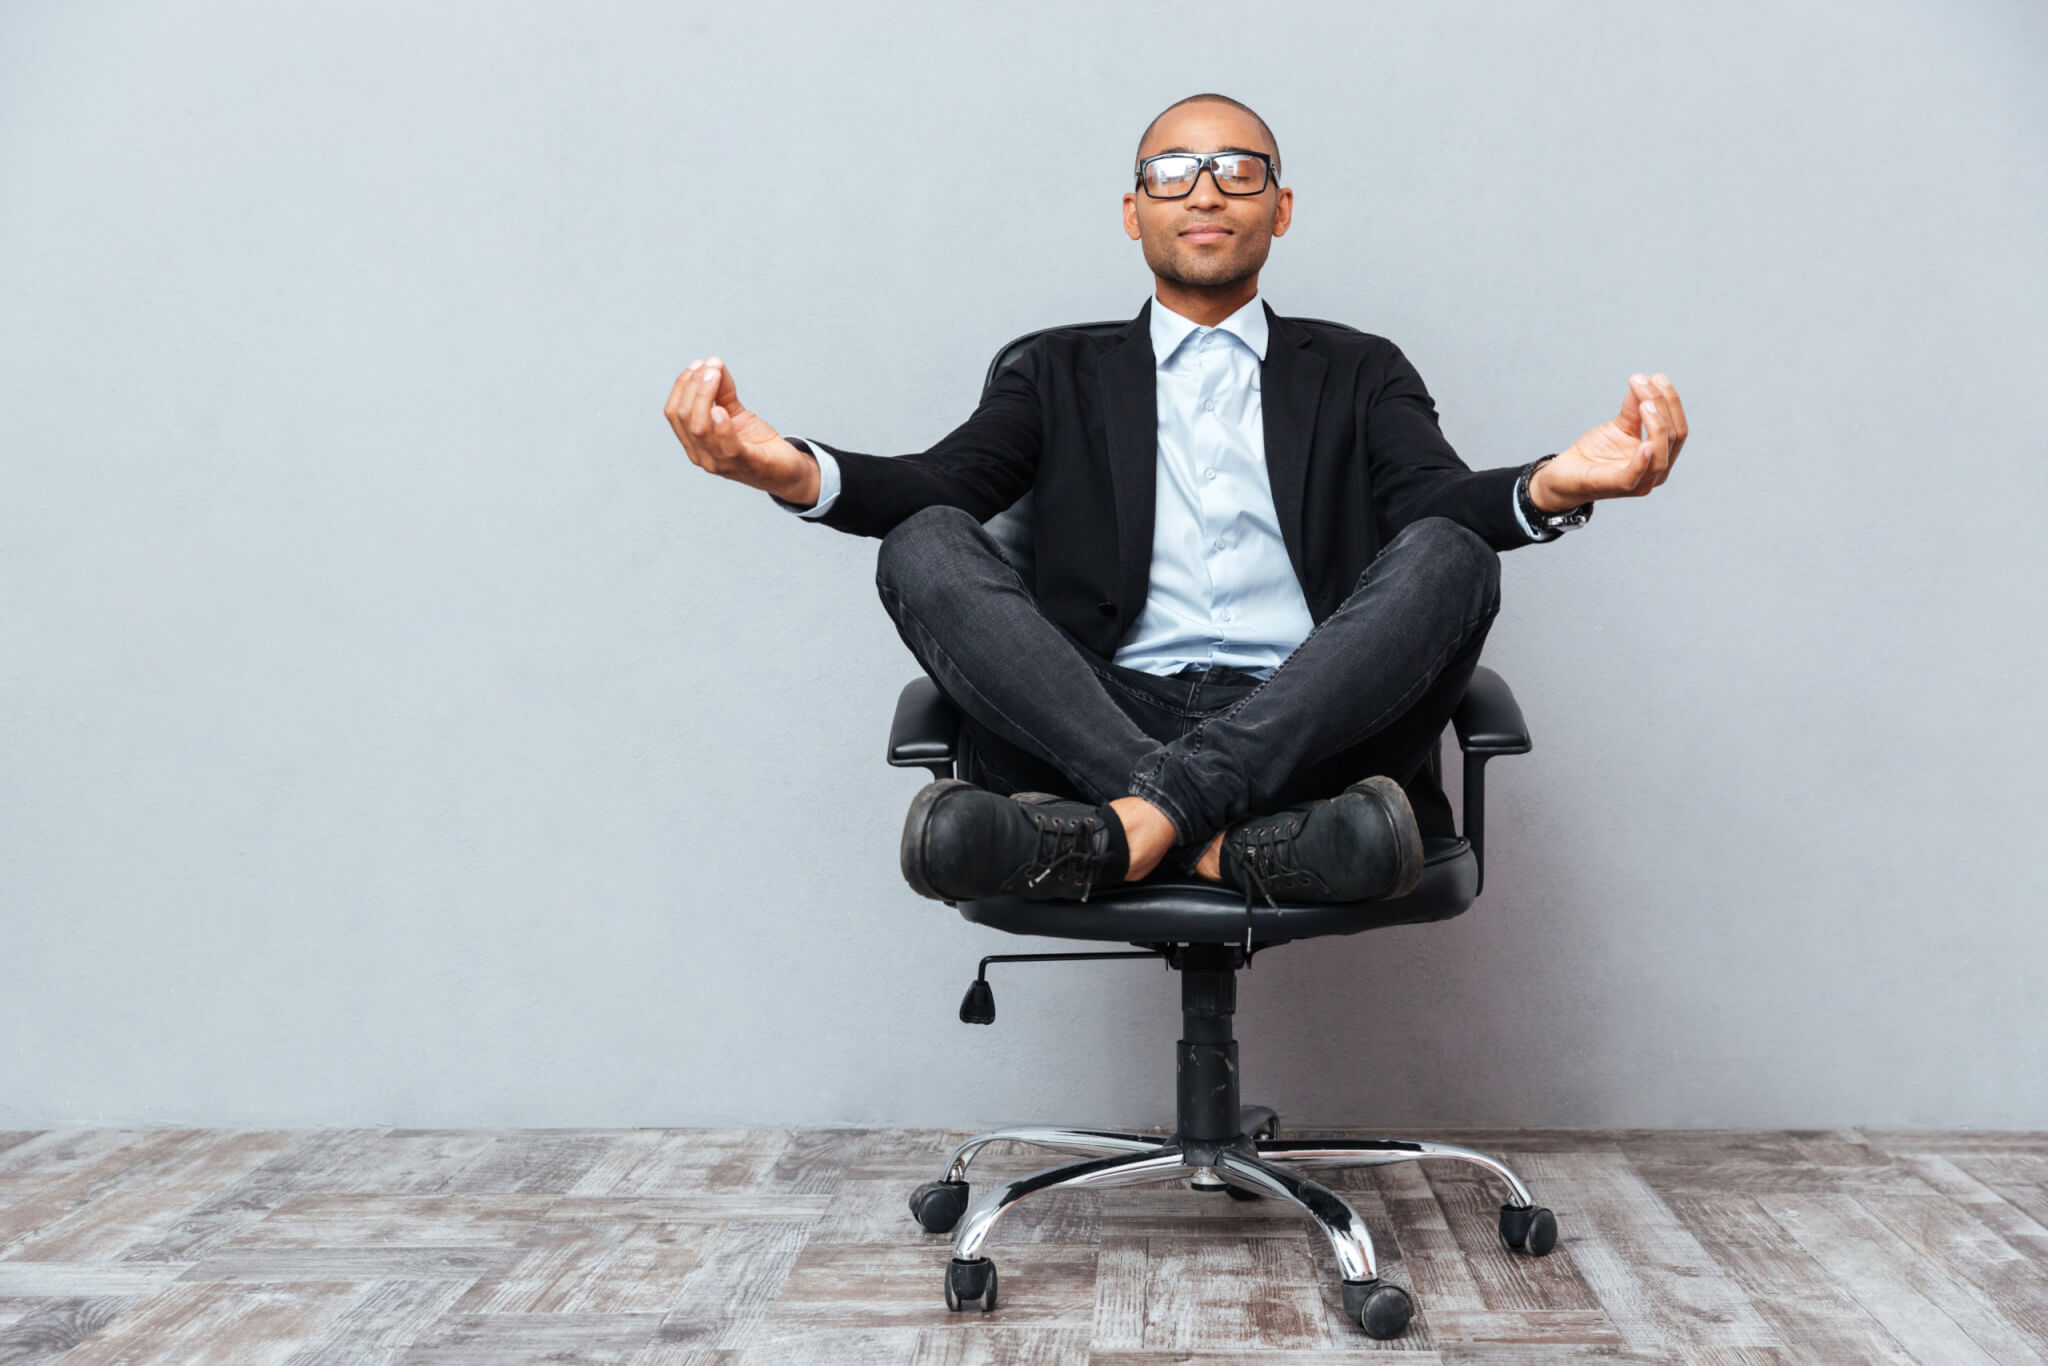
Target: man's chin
(1201, 274)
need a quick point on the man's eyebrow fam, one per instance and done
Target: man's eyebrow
(1164, 150)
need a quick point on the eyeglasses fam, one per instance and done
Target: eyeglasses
(1172, 175)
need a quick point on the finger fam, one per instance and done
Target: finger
(1645, 394)
(1657, 431)
(717, 383)
(676, 390)
(1674, 411)
(1625, 477)
(728, 395)
(1630, 419)
(676, 410)
(694, 423)
(1629, 482)
(703, 389)
(1642, 391)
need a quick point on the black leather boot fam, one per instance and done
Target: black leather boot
(1361, 845)
(962, 842)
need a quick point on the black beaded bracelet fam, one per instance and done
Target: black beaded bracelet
(1537, 517)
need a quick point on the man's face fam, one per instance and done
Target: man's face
(1209, 238)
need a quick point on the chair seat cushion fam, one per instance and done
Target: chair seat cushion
(1180, 910)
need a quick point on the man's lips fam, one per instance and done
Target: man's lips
(1204, 233)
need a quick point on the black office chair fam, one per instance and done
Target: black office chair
(1201, 930)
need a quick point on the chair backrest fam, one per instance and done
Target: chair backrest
(1012, 526)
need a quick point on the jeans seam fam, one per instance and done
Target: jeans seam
(1135, 694)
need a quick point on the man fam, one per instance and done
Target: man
(1263, 577)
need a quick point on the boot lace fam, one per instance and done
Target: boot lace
(1063, 840)
(1265, 859)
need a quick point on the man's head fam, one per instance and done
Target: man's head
(1208, 241)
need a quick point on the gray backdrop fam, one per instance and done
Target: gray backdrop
(395, 728)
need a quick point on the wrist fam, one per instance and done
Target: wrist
(803, 486)
(1543, 522)
(1544, 493)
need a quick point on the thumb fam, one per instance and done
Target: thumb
(1630, 419)
(728, 395)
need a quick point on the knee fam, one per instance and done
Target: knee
(1461, 555)
(919, 543)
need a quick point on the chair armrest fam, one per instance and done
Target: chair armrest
(1489, 724)
(1488, 719)
(925, 729)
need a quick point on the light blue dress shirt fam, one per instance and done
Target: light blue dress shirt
(1222, 590)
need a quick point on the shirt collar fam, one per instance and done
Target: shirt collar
(1170, 329)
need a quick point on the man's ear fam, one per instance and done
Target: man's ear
(1283, 213)
(1131, 216)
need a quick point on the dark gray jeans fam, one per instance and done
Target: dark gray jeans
(1370, 690)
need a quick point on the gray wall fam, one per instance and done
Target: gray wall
(396, 728)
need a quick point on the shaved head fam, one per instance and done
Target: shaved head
(1205, 245)
(1272, 145)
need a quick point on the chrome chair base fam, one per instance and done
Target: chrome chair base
(1268, 1166)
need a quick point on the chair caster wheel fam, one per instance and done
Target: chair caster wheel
(938, 1205)
(971, 1285)
(1382, 1310)
(1240, 1193)
(1532, 1230)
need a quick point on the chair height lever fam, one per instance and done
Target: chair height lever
(978, 1006)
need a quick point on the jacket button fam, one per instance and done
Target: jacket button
(1107, 609)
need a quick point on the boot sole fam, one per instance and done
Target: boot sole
(916, 825)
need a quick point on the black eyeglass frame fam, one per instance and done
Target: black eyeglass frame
(1206, 161)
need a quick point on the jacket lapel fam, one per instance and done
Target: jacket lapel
(1128, 375)
(1291, 381)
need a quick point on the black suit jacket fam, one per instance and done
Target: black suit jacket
(1352, 448)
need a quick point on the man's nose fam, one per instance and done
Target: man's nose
(1211, 195)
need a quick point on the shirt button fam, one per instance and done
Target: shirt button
(1210, 406)
(1208, 474)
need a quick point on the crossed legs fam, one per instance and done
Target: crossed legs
(1369, 691)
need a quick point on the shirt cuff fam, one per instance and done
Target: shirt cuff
(828, 480)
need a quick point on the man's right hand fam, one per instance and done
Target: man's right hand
(721, 436)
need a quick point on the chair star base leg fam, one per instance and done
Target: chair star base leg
(1254, 1165)
(1087, 1142)
(1375, 1152)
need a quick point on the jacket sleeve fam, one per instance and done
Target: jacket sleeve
(983, 465)
(1416, 474)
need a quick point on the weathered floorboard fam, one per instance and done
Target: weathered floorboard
(740, 1247)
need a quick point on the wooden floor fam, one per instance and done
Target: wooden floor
(663, 1247)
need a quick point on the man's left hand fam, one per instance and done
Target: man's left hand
(1624, 457)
